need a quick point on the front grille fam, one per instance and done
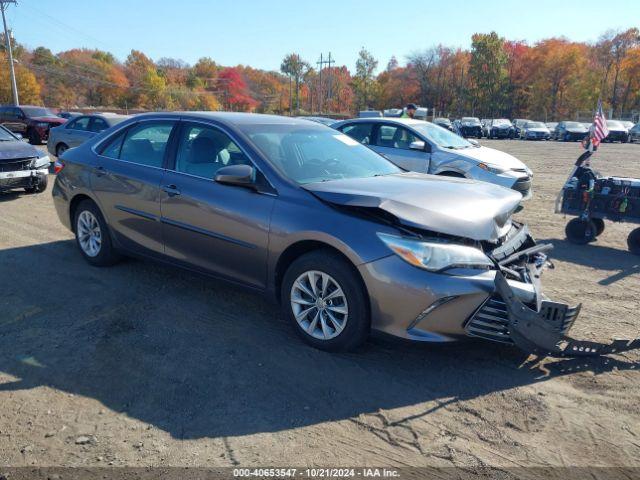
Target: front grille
(491, 321)
(16, 165)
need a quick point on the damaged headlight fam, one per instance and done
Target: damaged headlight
(435, 256)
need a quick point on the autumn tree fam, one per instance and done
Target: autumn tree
(28, 87)
(236, 94)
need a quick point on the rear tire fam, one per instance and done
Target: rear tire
(633, 241)
(304, 304)
(92, 235)
(34, 137)
(580, 231)
(599, 223)
(61, 148)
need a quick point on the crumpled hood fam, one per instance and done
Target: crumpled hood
(490, 156)
(13, 150)
(453, 206)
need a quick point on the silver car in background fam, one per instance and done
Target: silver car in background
(80, 129)
(427, 148)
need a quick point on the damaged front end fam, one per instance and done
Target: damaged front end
(536, 325)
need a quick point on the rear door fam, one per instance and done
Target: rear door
(126, 179)
(221, 229)
(393, 142)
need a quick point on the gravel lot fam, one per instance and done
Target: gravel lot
(144, 365)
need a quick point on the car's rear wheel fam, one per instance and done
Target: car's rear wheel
(580, 231)
(92, 235)
(61, 148)
(599, 223)
(633, 241)
(324, 300)
(34, 137)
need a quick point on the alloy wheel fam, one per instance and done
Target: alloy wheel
(319, 305)
(89, 233)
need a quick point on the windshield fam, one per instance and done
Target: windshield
(573, 125)
(38, 112)
(308, 155)
(614, 124)
(501, 121)
(470, 120)
(535, 125)
(5, 136)
(441, 136)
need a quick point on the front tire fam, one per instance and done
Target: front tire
(324, 300)
(39, 187)
(92, 235)
(580, 231)
(34, 137)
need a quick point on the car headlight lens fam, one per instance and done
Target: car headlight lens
(435, 256)
(492, 168)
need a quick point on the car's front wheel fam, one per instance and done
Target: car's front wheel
(40, 185)
(92, 235)
(324, 300)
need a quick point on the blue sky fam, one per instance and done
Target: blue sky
(259, 33)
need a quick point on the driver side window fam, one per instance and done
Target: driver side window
(203, 150)
(393, 136)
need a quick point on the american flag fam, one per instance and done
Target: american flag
(600, 130)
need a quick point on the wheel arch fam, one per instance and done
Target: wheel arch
(302, 247)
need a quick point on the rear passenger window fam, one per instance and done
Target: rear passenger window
(81, 123)
(360, 132)
(146, 143)
(98, 125)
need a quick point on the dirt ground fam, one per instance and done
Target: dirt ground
(144, 365)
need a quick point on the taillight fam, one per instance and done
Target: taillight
(58, 166)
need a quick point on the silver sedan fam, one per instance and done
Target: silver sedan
(80, 129)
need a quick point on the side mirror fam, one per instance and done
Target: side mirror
(239, 175)
(417, 145)
(472, 141)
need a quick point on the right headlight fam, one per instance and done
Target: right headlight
(492, 168)
(435, 256)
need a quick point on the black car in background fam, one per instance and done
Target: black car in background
(501, 128)
(570, 131)
(444, 123)
(470, 127)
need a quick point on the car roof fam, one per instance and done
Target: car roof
(236, 118)
(403, 121)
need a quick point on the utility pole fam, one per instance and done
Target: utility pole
(321, 63)
(14, 89)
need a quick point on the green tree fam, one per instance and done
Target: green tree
(294, 67)
(364, 80)
(488, 72)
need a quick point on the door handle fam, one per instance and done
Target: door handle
(171, 190)
(100, 171)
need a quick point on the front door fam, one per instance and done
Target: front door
(126, 179)
(216, 228)
(393, 142)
